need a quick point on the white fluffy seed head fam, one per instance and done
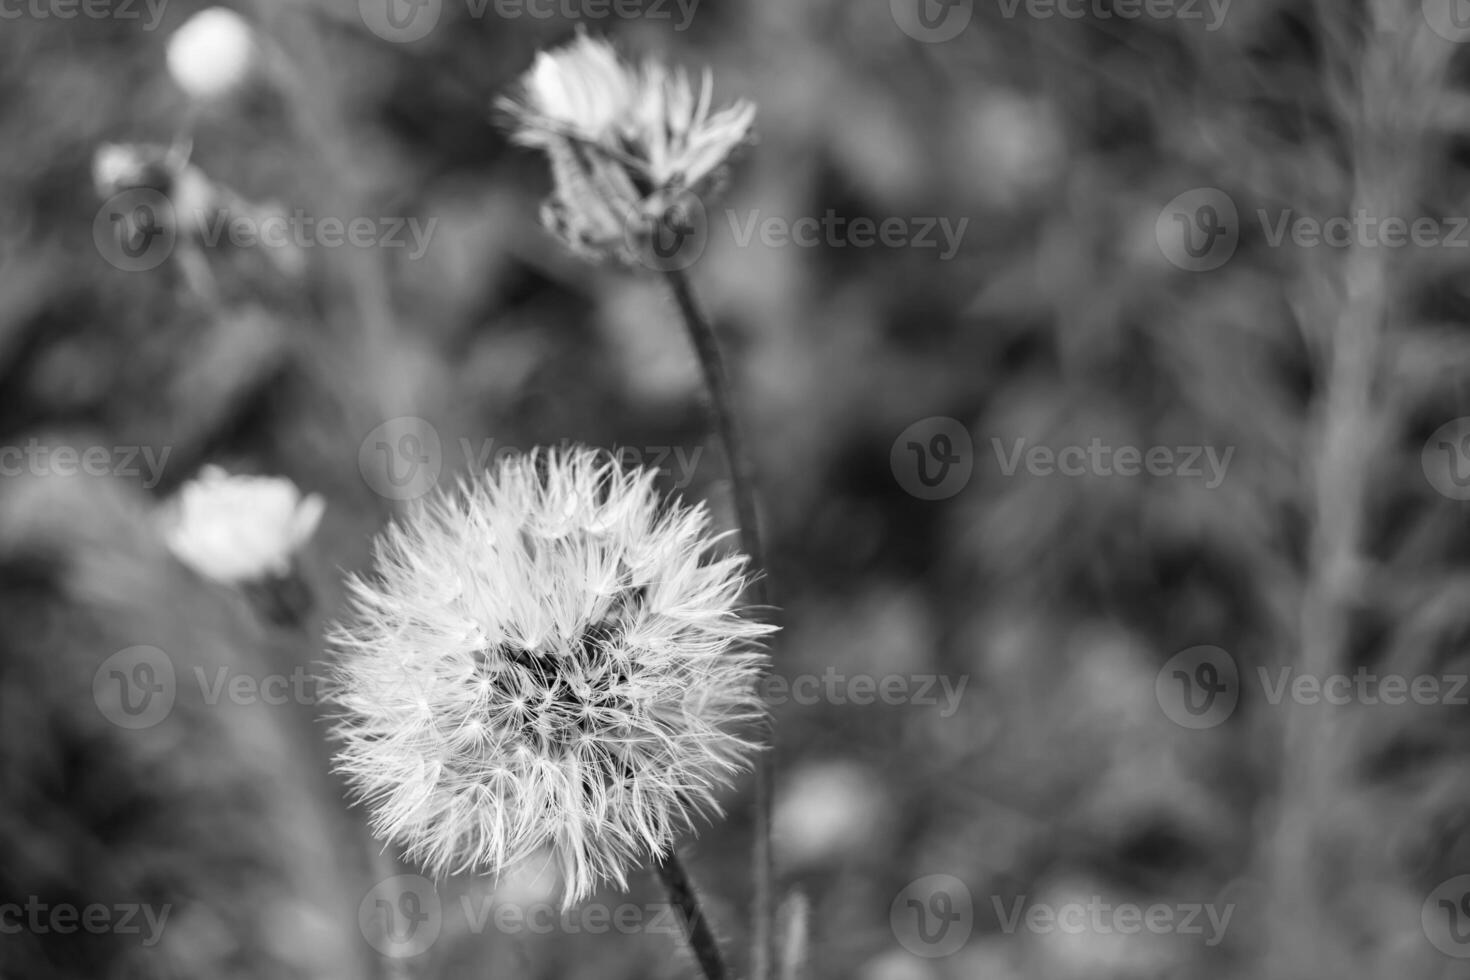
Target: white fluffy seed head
(551, 658)
(212, 53)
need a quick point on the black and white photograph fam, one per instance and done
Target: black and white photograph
(734, 489)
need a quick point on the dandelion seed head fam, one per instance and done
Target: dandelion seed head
(515, 676)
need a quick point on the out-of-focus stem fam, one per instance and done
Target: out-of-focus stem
(696, 924)
(712, 363)
(1388, 83)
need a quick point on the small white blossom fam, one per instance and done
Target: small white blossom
(212, 53)
(623, 141)
(236, 529)
(549, 660)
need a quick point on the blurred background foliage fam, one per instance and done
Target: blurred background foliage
(1059, 320)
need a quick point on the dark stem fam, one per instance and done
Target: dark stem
(712, 363)
(717, 381)
(696, 924)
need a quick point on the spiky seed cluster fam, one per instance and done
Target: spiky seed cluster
(623, 142)
(546, 658)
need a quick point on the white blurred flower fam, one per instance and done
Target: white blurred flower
(122, 166)
(212, 53)
(236, 529)
(623, 141)
(828, 812)
(550, 657)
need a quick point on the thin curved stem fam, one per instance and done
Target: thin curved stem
(717, 381)
(696, 924)
(712, 363)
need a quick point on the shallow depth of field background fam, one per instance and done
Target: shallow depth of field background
(1058, 599)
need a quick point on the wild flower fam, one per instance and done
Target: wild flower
(625, 143)
(549, 657)
(238, 529)
(212, 54)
